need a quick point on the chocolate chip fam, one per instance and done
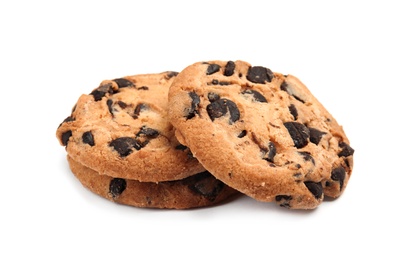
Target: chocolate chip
(229, 68)
(338, 174)
(88, 138)
(143, 88)
(256, 95)
(315, 135)
(224, 83)
(193, 110)
(259, 74)
(139, 108)
(346, 150)
(212, 68)
(271, 152)
(101, 91)
(124, 145)
(221, 83)
(149, 132)
(117, 187)
(109, 104)
(242, 134)
(285, 87)
(283, 200)
(315, 188)
(67, 119)
(65, 137)
(298, 132)
(293, 111)
(181, 147)
(205, 185)
(123, 83)
(213, 96)
(220, 107)
(122, 104)
(171, 74)
(307, 157)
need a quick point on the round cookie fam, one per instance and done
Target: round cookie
(260, 132)
(121, 129)
(198, 190)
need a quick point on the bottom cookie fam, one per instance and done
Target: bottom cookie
(199, 190)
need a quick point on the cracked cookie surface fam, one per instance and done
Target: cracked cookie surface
(198, 190)
(260, 132)
(121, 129)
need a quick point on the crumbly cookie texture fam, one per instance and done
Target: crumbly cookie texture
(121, 129)
(260, 132)
(198, 190)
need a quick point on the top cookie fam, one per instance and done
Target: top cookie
(121, 130)
(260, 132)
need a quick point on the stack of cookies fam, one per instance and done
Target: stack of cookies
(196, 138)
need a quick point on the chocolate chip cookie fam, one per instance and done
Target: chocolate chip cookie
(121, 130)
(198, 190)
(260, 132)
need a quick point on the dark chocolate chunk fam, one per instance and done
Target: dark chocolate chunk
(307, 157)
(123, 83)
(117, 187)
(220, 107)
(315, 135)
(224, 83)
(88, 138)
(122, 104)
(109, 104)
(124, 145)
(338, 174)
(293, 111)
(171, 74)
(195, 100)
(65, 137)
(143, 88)
(213, 96)
(298, 132)
(271, 152)
(101, 91)
(315, 188)
(285, 87)
(67, 119)
(212, 68)
(149, 132)
(283, 200)
(205, 185)
(346, 150)
(221, 83)
(259, 74)
(139, 108)
(229, 68)
(215, 82)
(256, 95)
(181, 147)
(242, 134)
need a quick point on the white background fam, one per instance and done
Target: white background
(51, 52)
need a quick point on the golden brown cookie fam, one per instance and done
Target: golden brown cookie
(121, 130)
(198, 190)
(260, 132)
